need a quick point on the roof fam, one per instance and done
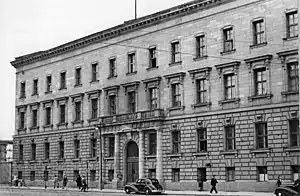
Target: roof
(126, 27)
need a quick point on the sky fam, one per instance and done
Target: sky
(33, 25)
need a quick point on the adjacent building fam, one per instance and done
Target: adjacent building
(210, 87)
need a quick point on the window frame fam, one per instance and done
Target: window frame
(175, 141)
(76, 151)
(201, 90)
(35, 86)
(62, 113)
(111, 146)
(33, 152)
(93, 175)
(175, 174)
(48, 115)
(110, 175)
(22, 120)
(62, 78)
(47, 150)
(131, 101)
(112, 67)
(200, 46)
(32, 175)
(61, 149)
(263, 136)
(228, 37)
(48, 84)
(131, 64)
(259, 33)
(21, 153)
(153, 98)
(229, 88)
(201, 140)
(22, 90)
(175, 52)
(230, 128)
(262, 170)
(289, 25)
(293, 77)
(94, 108)
(78, 111)
(34, 120)
(93, 147)
(230, 174)
(294, 134)
(112, 105)
(262, 81)
(176, 95)
(152, 57)
(94, 72)
(152, 145)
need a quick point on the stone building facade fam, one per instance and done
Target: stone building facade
(206, 88)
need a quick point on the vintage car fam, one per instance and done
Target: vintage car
(288, 190)
(144, 186)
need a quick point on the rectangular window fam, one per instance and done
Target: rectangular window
(260, 81)
(49, 84)
(293, 76)
(112, 105)
(262, 174)
(35, 87)
(63, 80)
(47, 150)
(94, 72)
(153, 98)
(112, 67)
(23, 90)
(200, 46)
(229, 86)
(131, 102)
(75, 174)
(48, 116)
(230, 174)
(152, 143)
(22, 120)
(131, 63)
(176, 102)
(34, 118)
(294, 132)
(111, 146)
(175, 175)
(93, 175)
(295, 172)
(261, 135)
(110, 175)
(201, 174)
(201, 90)
(151, 173)
(230, 137)
(93, 147)
(258, 32)
(61, 150)
(292, 24)
(21, 152)
(60, 175)
(152, 58)
(46, 175)
(76, 148)
(20, 175)
(32, 175)
(228, 39)
(94, 108)
(78, 76)
(77, 111)
(202, 140)
(175, 52)
(33, 152)
(175, 142)
(62, 115)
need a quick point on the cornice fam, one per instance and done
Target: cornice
(111, 87)
(152, 79)
(174, 75)
(126, 27)
(135, 83)
(259, 58)
(287, 52)
(230, 64)
(203, 69)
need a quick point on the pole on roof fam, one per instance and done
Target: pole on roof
(135, 12)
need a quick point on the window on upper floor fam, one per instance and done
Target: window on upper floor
(176, 95)
(76, 148)
(78, 76)
(112, 105)
(200, 46)
(48, 115)
(77, 111)
(61, 149)
(294, 132)
(175, 52)
(94, 72)
(292, 24)
(21, 151)
(230, 137)
(229, 86)
(175, 142)
(228, 44)
(261, 135)
(131, 101)
(293, 76)
(63, 80)
(201, 140)
(152, 143)
(260, 81)
(262, 172)
(34, 121)
(152, 57)
(22, 120)
(48, 84)
(33, 151)
(111, 146)
(259, 33)
(201, 91)
(153, 98)
(35, 87)
(131, 63)
(22, 90)
(62, 113)
(112, 68)
(47, 150)
(94, 105)
(93, 147)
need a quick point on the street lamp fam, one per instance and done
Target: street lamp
(98, 128)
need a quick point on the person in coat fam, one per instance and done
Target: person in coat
(213, 183)
(79, 182)
(55, 181)
(279, 181)
(84, 184)
(65, 181)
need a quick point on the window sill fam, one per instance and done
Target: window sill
(48, 92)
(236, 100)
(261, 150)
(75, 159)
(22, 97)
(201, 104)
(93, 159)
(93, 119)
(77, 85)
(62, 124)
(176, 108)
(228, 52)
(268, 96)
(77, 122)
(175, 63)
(198, 58)
(290, 38)
(47, 126)
(174, 155)
(131, 73)
(152, 68)
(34, 128)
(94, 81)
(289, 93)
(228, 152)
(258, 45)
(109, 158)
(199, 154)
(32, 161)
(46, 161)
(150, 156)
(292, 149)
(112, 77)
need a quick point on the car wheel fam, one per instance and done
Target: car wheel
(127, 190)
(147, 192)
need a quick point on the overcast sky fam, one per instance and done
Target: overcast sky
(34, 25)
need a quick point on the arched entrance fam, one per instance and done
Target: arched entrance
(132, 162)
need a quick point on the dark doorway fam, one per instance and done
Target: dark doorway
(132, 162)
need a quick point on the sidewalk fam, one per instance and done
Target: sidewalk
(167, 192)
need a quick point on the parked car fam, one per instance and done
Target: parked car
(144, 186)
(288, 190)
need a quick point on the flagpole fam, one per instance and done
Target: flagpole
(135, 9)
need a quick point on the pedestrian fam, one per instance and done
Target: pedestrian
(55, 182)
(78, 181)
(65, 181)
(84, 184)
(213, 183)
(279, 181)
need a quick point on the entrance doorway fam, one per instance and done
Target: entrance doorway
(132, 162)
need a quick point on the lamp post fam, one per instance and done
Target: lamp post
(87, 174)
(98, 128)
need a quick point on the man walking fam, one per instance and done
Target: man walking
(213, 183)
(78, 181)
(84, 184)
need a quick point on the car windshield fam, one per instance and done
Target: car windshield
(154, 181)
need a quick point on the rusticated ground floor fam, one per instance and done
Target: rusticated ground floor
(247, 149)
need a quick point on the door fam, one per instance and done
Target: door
(132, 167)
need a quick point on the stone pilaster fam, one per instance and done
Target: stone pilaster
(115, 182)
(159, 157)
(141, 154)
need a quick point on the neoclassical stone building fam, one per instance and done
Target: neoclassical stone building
(210, 87)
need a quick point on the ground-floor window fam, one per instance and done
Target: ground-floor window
(32, 175)
(175, 175)
(110, 175)
(295, 172)
(93, 175)
(75, 174)
(152, 173)
(46, 175)
(20, 175)
(201, 174)
(262, 174)
(230, 174)
(60, 175)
